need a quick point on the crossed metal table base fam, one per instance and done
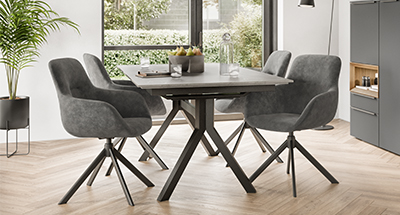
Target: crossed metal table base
(201, 116)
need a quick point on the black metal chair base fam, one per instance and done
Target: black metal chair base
(15, 152)
(259, 138)
(144, 145)
(291, 143)
(108, 151)
(122, 141)
(324, 127)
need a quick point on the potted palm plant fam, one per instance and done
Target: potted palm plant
(24, 27)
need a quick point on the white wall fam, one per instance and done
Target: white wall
(344, 53)
(306, 31)
(36, 82)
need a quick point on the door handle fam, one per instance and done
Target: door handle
(387, 1)
(364, 2)
(364, 96)
(363, 111)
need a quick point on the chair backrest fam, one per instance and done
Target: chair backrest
(70, 77)
(97, 73)
(277, 63)
(312, 75)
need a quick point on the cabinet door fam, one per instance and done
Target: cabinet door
(389, 73)
(364, 32)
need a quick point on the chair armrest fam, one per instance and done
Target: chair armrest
(128, 103)
(319, 111)
(90, 118)
(123, 82)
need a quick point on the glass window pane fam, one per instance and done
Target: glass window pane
(243, 20)
(148, 22)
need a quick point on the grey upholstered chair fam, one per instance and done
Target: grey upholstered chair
(276, 64)
(88, 111)
(99, 77)
(309, 102)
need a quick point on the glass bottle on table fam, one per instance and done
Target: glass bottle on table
(225, 54)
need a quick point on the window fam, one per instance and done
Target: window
(133, 28)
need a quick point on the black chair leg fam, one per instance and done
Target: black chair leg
(237, 142)
(83, 177)
(260, 138)
(316, 163)
(133, 169)
(288, 165)
(271, 158)
(153, 154)
(233, 135)
(259, 141)
(123, 141)
(108, 151)
(95, 172)
(291, 144)
(121, 177)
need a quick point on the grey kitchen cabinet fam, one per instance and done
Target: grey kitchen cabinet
(364, 118)
(389, 65)
(375, 40)
(364, 32)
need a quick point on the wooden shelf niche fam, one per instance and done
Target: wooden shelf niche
(357, 71)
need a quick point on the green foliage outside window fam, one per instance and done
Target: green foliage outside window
(247, 36)
(130, 14)
(212, 39)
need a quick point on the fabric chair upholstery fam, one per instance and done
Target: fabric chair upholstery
(99, 76)
(276, 64)
(309, 102)
(88, 111)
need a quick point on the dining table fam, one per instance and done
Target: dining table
(202, 88)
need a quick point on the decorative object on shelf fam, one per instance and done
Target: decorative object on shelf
(310, 3)
(357, 82)
(225, 55)
(24, 27)
(192, 61)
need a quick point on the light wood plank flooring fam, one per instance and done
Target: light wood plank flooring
(369, 178)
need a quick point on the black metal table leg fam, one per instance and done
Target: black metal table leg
(180, 166)
(208, 106)
(205, 143)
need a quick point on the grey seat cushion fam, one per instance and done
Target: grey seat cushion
(276, 122)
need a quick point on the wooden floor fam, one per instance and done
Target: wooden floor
(369, 178)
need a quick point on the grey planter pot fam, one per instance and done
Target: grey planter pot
(14, 112)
